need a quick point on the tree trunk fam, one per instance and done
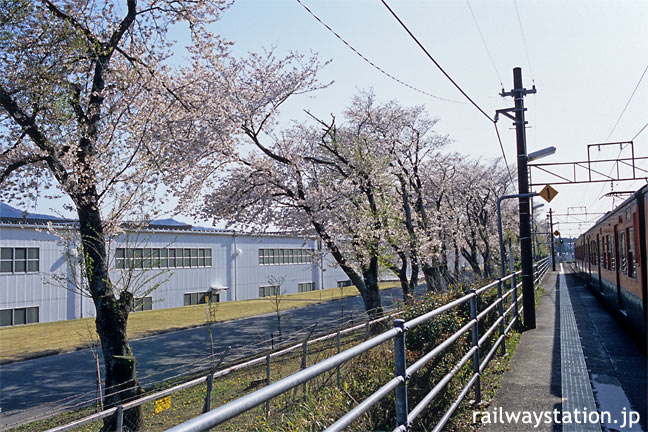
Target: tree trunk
(471, 257)
(413, 278)
(112, 315)
(371, 296)
(456, 260)
(401, 272)
(432, 274)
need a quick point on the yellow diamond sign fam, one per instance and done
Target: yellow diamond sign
(548, 193)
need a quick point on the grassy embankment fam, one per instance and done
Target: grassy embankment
(33, 340)
(324, 401)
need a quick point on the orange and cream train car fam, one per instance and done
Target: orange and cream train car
(611, 257)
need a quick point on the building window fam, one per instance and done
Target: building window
(632, 268)
(306, 286)
(142, 304)
(344, 283)
(146, 258)
(19, 260)
(285, 256)
(268, 291)
(195, 298)
(18, 316)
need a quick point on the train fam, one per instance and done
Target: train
(611, 258)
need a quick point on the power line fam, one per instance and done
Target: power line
(499, 139)
(381, 70)
(484, 42)
(626, 105)
(435, 62)
(616, 124)
(526, 49)
(638, 133)
(452, 81)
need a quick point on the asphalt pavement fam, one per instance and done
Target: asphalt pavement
(45, 385)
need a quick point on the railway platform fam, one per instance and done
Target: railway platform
(576, 371)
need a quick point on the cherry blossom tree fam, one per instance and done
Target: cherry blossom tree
(479, 184)
(319, 179)
(91, 108)
(407, 136)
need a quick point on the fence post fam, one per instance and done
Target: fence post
(268, 383)
(366, 336)
(210, 378)
(99, 390)
(516, 313)
(119, 419)
(303, 362)
(338, 351)
(210, 383)
(500, 310)
(400, 370)
(475, 341)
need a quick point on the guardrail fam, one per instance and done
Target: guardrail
(404, 417)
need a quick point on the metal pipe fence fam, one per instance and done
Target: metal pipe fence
(266, 358)
(402, 373)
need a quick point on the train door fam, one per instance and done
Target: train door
(589, 260)
(617, 266)
(599, 257)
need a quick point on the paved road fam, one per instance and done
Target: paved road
(34, 387)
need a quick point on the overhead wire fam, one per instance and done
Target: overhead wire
(617, 123)
(457, 86)
(627, 103)
(639, 133)
(526, 48)
(375, 66)
(490, 56)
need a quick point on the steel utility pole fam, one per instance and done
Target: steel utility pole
(553, 254)
(518, 94)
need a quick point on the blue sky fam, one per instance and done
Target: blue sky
(585, 58)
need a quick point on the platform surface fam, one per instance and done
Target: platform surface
(576, 371)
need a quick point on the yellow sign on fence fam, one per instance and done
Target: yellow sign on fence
(162, 404)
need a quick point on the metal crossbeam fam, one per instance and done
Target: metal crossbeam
(587, 174)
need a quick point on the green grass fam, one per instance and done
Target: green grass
(323, 402)
(22, 342)
(188, 403)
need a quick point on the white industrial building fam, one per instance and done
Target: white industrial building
(38, 275)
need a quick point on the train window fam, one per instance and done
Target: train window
(622, 246)
(608, 261)
(632, 268)
(612, 253)
(592, 253)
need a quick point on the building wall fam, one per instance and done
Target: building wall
(46, 289)
(235, 270)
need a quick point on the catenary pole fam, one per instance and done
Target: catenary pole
(528, 299)
(553, 254)
(526, 252)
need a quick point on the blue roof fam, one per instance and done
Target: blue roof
(9, 212)
(12, 214)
